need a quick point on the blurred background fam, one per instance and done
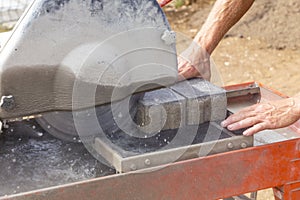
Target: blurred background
(264, 46)
(10, 11)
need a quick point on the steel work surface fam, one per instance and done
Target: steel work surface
(212, 177)
(127, 153)
(40, 161)
(33, 160)
(36, 160)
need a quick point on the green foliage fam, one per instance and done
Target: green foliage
(179, 3)
(4, 28)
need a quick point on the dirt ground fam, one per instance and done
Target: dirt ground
(264, 46)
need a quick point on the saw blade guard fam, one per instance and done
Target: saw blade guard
(90, 48)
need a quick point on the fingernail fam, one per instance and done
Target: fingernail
(230, 127)
(245, 133)
(223, 124)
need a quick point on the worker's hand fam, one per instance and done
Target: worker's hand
(261, 116)
(194, 62)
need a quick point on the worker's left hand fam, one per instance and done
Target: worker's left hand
(194, 62)
(261, 116)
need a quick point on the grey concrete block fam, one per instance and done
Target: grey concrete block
(216, 103)
(195, 102)
(205, 101)
(160, 110)
(218, 108)
(189, 102)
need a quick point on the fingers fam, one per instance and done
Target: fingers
(194, 62)
(255, 129)
(247, 122)
(243, 114)
(186, 71)
(254, 123)
(268, 115)
(245, 118)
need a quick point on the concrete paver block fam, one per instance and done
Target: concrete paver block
(195, 102)
(160, 110)
(216, 104)
(211, 100)
(190, 102)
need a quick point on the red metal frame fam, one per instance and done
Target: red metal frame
(205, 178)
(162, 3)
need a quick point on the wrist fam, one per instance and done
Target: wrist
(296, 100)
(204, 44)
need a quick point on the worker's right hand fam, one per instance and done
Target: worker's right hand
(194, 62)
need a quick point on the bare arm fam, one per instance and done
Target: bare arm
(225, 13)
(269, 115)
(222, 17)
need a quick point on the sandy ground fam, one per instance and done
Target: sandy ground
(264, 46)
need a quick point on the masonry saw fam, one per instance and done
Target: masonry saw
(66, 61)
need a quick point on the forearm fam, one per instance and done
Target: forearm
(222, 17)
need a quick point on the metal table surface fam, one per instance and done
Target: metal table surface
(275, 165)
